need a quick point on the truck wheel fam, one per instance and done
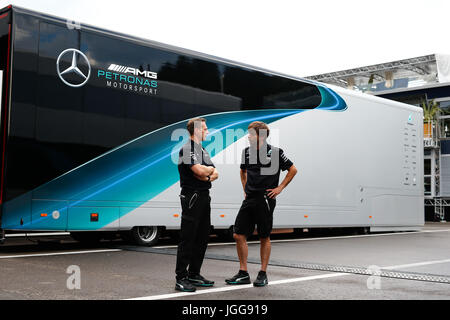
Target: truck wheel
(145, 235)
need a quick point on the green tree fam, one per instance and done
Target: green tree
(431, 110)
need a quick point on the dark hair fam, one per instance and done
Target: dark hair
(259, 125)
(191, 124)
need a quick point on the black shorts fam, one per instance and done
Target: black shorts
(255, 210)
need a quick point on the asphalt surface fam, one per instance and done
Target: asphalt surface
(413, 266)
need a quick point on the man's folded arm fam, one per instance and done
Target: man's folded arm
(202, 171)
(212, 177)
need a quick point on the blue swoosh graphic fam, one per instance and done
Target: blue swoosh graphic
(132, 174)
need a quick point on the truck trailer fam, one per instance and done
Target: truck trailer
(92, 121)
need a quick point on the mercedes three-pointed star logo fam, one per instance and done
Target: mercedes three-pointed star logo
(73, 68)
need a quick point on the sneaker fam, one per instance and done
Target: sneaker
(184, 285)
(261, 280)
(242, 277)
(199, 281)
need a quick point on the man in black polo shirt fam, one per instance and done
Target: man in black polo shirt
(260, 173)
(196, 174)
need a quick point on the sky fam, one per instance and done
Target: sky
(299, 38)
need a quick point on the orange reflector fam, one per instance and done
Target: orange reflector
(43, 214)
(370, 217)
(222, 216)
(176, 215)
(306, 216)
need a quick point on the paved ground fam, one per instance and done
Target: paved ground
(414, 266)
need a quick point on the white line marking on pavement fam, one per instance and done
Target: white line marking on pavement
(57, 253)
(418, 264)
(276, 282)
(314, 239)
(236, 287)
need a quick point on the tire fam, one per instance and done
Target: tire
(145, 235)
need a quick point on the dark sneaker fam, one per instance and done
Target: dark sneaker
(199, 281)
(261, 280)
(184, 285)
(242, 277)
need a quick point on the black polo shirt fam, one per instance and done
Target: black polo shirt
(263, 167)
(193, 153)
